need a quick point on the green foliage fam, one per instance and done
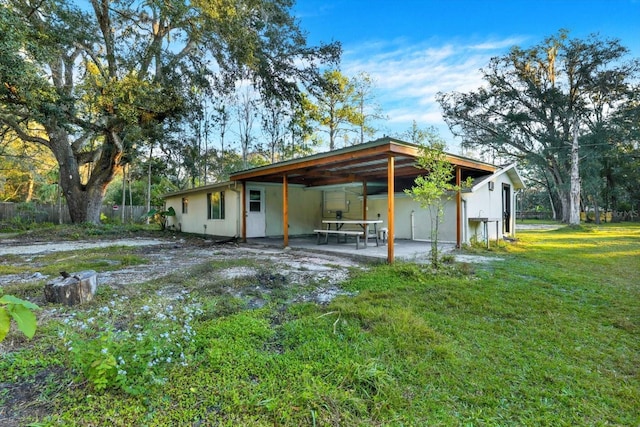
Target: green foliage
(161, 216)
(337, 109)
(21, 312)
(98, 85)
(135, 358)
(417, 135)
(25, 218)
(434, 188)
(535, 98)
(99, 366)
(546, 336)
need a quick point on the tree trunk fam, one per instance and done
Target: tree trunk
(30, 188)
(563, 198)
(124, 193)
(596, 211)
(560, 188)
(130, 195)
(72, 289)
(566, 207)
(553, 206)
(574, 194)
(84, 199)
(59, 194)
(149, 184)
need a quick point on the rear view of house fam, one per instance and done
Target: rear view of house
(292, 198)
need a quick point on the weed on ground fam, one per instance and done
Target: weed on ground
(548, 335)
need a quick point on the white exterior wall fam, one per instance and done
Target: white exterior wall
(488, 203)
(480, 203)
(305, 209)
(411, 220)
(196, 217)
(353, 200)
(176, 204)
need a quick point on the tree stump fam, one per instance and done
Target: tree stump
(72, 289)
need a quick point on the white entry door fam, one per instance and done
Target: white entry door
(256, 217)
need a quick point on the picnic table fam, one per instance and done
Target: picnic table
(339, 231)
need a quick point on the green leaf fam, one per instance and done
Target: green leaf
(10, 299)
(24, 318)
(5, 323)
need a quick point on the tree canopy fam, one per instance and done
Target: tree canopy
(549, 106)
(96, 84)
(337, 108)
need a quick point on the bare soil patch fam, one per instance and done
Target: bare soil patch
(169, 255)
(308, 277)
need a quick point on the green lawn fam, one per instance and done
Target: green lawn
(550, 335)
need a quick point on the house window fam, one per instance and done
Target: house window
(255, 201)
(215, 205)
(185, 205)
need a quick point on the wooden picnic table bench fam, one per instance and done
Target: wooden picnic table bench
(339, 231)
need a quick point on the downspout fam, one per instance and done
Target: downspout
(458, 208)
(243, 213)
(285, 210)
(413, 225)
(465, 222)
(515, 215)
(239, 193)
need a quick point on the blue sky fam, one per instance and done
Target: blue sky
(414, 49)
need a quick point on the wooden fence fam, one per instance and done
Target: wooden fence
(522, 215)
(39, 213)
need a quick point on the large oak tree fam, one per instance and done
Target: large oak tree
(95, 81)
(539, 105)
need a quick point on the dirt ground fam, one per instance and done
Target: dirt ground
(166, 255)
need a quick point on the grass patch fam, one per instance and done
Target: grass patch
(549, 336)
(48, 231)
(102, 259)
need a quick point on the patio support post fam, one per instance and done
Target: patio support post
(285, 209)
(459, 208)
(243, 213)
(390, 207)
(364, 200)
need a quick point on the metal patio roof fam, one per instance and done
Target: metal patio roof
(359, 163)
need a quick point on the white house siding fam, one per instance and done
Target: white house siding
(196, 217)
(480, 203)
(483, 204)
(176, 204)
(353, 201)
(304, 210)
(488, 203)
(409, 214)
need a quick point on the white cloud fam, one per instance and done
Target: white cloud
(408, 76)
(498, 44)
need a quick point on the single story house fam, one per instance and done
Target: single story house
(293, 197)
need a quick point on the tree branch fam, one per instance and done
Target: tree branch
(15, 126)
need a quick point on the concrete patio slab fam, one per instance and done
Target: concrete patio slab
(404, 250)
